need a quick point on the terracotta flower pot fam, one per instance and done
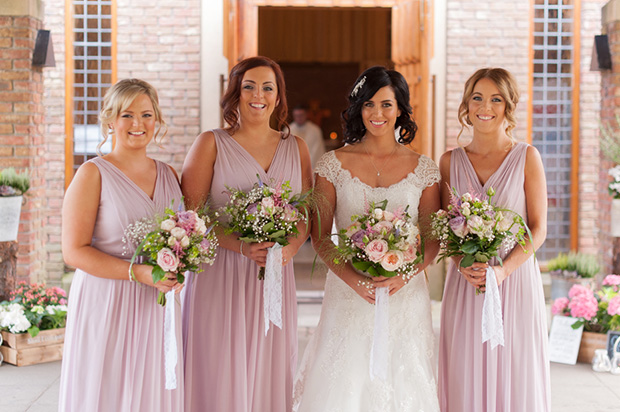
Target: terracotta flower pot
(590, 341)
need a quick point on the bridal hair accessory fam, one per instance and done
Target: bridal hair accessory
(358, 86)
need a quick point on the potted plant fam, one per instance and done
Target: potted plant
(32, 324)
(569, 269)
(598, 310)
(12, 187)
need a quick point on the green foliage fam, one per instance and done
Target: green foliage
(13, 183)
(586, 266)
(610, 141)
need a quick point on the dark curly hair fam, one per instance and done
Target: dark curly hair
(372, 80)
(230, 99)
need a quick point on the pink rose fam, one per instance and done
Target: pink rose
(389, 216)
(267, 204)
(559, 305)
(167, 260)
(376, 249)
(411, 253)
(290, 213)
(383, 227)
(392, 260)
(353, 228)
(459, 226)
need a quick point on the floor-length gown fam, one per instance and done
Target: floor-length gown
(113, 357)
(334, 373)
(231, 365)
(510, 378)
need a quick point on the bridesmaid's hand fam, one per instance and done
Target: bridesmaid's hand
(363, 286)
(394, 283)
(475, 274)
(500, 274)
(143, 274)
(257, 252)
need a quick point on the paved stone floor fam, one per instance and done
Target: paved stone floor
(573, 388)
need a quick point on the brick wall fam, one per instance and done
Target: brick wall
(610, 107)
(485, 33)
(21, 130)
(161, 45)
(54, 102)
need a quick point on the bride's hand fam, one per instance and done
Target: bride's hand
(394, 284)
(364, 287)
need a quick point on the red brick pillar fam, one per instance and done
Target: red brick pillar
(21, 124)
(610, 108)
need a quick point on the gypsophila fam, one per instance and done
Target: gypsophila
(381, 242)
(265, 213)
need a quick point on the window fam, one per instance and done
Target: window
(552, 101)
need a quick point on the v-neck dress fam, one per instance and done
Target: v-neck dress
(113, 357)
(510, 378)
(230, 364)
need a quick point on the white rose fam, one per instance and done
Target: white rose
(168, 225)
(378, 213)
(172, 241)
(185, 241)
(389, 216)
(178, 232)
(466, 212)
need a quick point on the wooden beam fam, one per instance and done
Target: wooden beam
(574, 190)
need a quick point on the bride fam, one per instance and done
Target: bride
(373, 166)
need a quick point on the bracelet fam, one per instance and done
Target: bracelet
(241, 248)
(130, 272)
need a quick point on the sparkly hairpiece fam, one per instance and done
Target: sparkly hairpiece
(358, 86)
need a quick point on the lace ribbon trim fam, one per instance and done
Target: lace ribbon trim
(380, 338)
(170, 342)
(272, 288)
(492, 323)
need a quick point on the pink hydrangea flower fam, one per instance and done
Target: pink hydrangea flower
(580, 290)
(611, 280)
(614, 306)
(559, 305)
(583, 306)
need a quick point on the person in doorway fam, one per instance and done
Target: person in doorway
(473, 376)
(310, 132)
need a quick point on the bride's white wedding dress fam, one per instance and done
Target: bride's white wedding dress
(334, 372)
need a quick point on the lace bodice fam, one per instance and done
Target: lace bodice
(353, 194)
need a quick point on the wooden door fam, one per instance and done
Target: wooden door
(410, 54)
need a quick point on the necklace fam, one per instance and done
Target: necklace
(384, 163)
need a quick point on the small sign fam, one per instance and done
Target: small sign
(564, 341)
(613, 338)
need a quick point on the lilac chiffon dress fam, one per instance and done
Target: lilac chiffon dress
(510, 378)
(231, 366)
(113, 357)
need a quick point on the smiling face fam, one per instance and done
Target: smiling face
(379, 114)
(486, 108)
(135, 126)
(259, 94)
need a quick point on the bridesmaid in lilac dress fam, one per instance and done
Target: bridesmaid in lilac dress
(113, 356)
(472, 376)
(230, 364)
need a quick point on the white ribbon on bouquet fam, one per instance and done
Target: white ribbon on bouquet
(272, 288)
(492, 318)
(170, 342)
(379, 349)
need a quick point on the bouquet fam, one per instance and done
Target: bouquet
(598, 311)
(266, 213)
(173, 243)
(33, 308)
(381, 242)
(477, 229)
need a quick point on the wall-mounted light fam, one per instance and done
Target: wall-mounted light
(43, 54)
(601, 56)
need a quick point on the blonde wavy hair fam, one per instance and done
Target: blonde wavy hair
(508, 89)
(119, 97)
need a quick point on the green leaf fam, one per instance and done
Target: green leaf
(361, 265)
(470, 247)
(577, 324)
(180, 278)
(33, 331)
(158, 274)
(467, 261)
(278, 234)
(268, 227)
(481, 257)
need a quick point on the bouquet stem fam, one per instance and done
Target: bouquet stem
(261, 273)
(161, 298)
